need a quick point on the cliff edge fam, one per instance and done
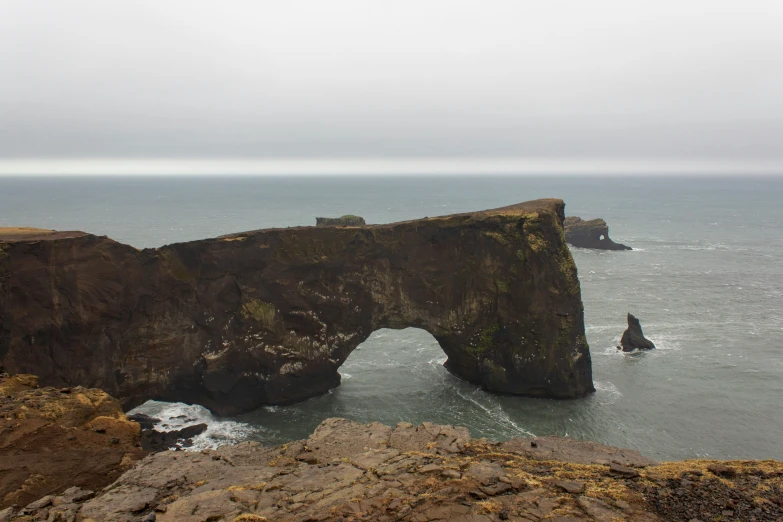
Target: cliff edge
(268, 316)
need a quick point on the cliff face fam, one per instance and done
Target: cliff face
(593, 233)
(267, 317)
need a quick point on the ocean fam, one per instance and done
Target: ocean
(705, 278)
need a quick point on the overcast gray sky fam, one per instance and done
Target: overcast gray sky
(616, 80)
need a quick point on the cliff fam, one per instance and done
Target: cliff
(268, 316)
(590, 234)
(348, 471)
(52, 439)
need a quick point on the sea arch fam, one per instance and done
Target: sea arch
(268, 317)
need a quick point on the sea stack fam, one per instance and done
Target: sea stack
(593, 233)
(633, 338)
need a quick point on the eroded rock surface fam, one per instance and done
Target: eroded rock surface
(593, 233)
(267, 317)
(350, 472)
(55, 438)
(633, 338)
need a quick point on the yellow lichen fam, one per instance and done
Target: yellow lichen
(261, 311)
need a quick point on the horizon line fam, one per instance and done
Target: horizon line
(357, 166)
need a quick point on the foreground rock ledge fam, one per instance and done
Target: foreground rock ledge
(350, 472)
(52, 439)
(267, 317)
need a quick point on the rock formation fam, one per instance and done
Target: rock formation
(633, 338)
(590, 234)
(52, 439)
(343, 221)
(267, 317)
(347, 471)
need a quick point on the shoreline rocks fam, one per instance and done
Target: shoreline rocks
(592, 233)
(346, 471)
(153, 440)
(633, 338)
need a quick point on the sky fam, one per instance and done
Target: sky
(364, 85)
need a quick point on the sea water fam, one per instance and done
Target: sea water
(705, 278)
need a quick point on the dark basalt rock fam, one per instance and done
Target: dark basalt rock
(343, 221)
(633, 338)
(590, 234)
(145, 421)
(267, 317)
(154, 440)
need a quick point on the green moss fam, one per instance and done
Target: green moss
(495, 375)
(176, 267)
(486, 340)
(502, 285)
(261, 311)
(497, 236)
(536, 242)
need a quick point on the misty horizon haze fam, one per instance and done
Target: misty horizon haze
(556, 87)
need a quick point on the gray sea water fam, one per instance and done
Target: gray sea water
(705, 278)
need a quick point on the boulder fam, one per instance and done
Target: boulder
(633, 338)
(153, 440)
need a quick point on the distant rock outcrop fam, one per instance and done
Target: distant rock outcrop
(347, 220)
(633, 338)
(590, 234)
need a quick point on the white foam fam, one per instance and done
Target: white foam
(496, 413)
(607, 391)
(176, 415)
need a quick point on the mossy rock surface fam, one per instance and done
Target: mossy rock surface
(268, 316)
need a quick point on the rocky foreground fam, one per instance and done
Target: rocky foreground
(52, 439)
(350, 471)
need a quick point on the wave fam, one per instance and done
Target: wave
(496, 413)
(607, 391)
(176, 415)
